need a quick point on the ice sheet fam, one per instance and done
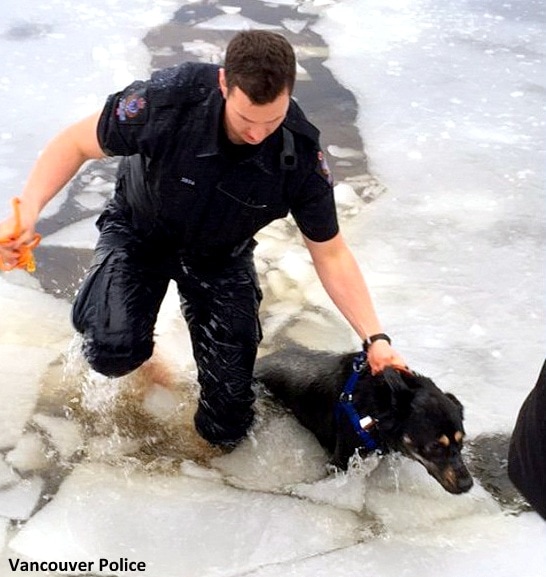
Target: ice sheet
(178, 525)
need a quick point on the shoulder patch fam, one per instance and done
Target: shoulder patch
(323, 169)
(132, 108)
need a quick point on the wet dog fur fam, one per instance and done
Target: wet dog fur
(413, 415)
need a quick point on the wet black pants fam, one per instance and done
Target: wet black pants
(117, 305)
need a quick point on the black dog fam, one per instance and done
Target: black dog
(347, 408)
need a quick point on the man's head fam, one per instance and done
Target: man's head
(257, 80)
(260, 63)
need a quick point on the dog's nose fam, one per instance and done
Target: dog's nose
(457, 479)
(461, 482)
(465, 483)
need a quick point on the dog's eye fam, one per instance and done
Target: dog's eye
(435, 448)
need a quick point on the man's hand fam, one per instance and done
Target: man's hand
(18, 237)
(381, 355)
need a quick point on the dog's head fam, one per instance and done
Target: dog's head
(426, 425)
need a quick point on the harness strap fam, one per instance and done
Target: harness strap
(361, 425)
(289, 159)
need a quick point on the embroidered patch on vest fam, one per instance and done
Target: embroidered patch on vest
(132, 108)
(323, 169)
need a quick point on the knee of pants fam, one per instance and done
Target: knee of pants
(114, 363)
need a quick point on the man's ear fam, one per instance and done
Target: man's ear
(222, 82)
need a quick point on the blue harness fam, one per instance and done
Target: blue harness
(361, 425)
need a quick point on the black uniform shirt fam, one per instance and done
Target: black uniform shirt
(181, 182)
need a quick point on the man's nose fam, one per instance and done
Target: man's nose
(256, 134)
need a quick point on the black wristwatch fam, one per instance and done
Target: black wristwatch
(371, 339)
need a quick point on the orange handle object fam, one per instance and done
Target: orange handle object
(26, 258)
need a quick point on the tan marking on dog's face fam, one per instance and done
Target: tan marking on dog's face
(443, 440)
(459, 436)
(450, 478)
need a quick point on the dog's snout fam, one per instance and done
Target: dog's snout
(465, 483)
(456, 480)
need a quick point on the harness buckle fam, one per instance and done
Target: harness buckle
(346, 397)
(359, 362)
(366, 423)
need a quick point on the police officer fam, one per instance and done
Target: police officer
(210, 155)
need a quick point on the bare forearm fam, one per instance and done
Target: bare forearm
(49, 175)
(341, 277)
(344, 283)
(59, 162)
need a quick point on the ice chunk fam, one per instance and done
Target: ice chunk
(280, 453)
(65, 435)
(18, 501)
(20, 385)
(7, 476)
(205, 51)
(346, 196)
(230, 9)
(91, 201)
(29, 454)
(234, 22)
(402, 494)
(201, 528)
(160, 402)
(81, 234)
(340, 152)
(295, 26)
(320, 331)
(296, 265)
(480, 545)
(338, 490)
(21, 306)
(279, 285)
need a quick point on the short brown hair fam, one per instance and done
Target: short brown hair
(260, 63)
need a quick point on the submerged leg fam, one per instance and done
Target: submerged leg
(221, 308)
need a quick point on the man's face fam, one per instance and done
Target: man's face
(249, 123)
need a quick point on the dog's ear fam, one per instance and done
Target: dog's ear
(456, 402)
(394, 380)
(401, 393)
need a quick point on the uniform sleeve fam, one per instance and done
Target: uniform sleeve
(315, 210)
(123, 120)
